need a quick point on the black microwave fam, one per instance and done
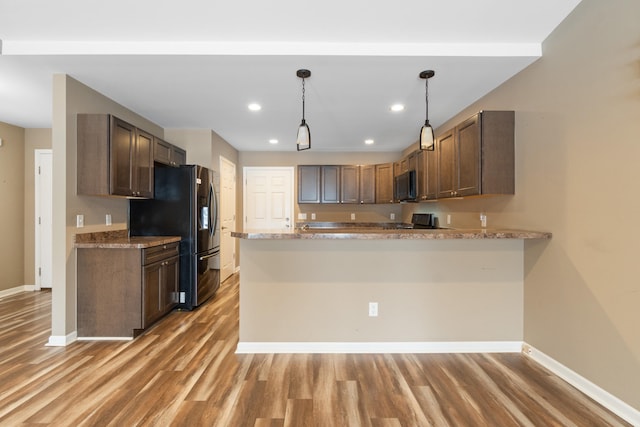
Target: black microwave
(405, 186)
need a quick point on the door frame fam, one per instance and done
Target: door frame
(222, 160)
(38, 209)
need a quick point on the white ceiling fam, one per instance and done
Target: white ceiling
(198, 64)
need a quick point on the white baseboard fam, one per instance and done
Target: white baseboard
(380, 347)
(62, 340)
(606, 399)
(105, 338)
(13, 291)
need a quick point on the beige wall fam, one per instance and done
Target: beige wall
(71, 97)
(12, 209)
(318, 290)
(577, 150)
(328, 212)
(34, 139)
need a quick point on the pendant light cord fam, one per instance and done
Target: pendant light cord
(426, 99)
(303, 99)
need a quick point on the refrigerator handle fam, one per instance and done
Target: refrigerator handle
(213, 203)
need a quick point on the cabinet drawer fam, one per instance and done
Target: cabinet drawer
(160, 252)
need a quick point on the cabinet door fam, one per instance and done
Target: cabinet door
(170, 280)
(309, 184)
(427, 175)
(447, 175)
(330, 184)
(178, 156)
(143, 164)
(368, 184)
(122, 151)
(468, 156)
(152, 305)
(349, 184)
(161, 151)
(432, 174)
(384, 183)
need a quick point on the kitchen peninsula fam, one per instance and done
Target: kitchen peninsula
(436, 290)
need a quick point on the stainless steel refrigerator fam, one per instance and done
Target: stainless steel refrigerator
(185, 204)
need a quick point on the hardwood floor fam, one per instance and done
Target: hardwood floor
(184, 372)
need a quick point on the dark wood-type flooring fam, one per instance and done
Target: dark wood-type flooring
(184, 372)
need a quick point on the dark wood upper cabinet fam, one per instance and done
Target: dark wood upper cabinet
(168, 154)
(367, 184)
(427, 171)
(114, 157)
(349, 184)
(309, 184)
(478, 156)
(384, 183)
(330, 189)
(447, 164)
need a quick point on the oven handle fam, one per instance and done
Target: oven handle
(202, 258)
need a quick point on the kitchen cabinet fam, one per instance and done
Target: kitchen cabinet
(427, 170)
(357, 184)
(160, 282)
(319, 184)
(330, 188)
(309, 184)
(478, 156)
(349, 184)
(114, 157)
(123, 291)
(384, 183)
(168, 154)
(367, 184)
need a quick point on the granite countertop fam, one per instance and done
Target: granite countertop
(380, 231)
(119, 239)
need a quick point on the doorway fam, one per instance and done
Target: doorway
(227, 218)
(43, 218)
(268, 198)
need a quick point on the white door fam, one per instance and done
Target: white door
(43, 214)
(227, 217)
(268, 198)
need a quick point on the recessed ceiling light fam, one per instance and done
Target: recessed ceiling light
(273, 141)
(368, 141)
(396, 107)
(255, 107)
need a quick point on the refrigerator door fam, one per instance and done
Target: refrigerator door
(208, 275)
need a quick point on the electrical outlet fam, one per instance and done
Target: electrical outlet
(313, 216)
(373, 309)
(353, 216)
(448, 219)
(302, 216)
(392, 216)
(483, 220)
(79, 221)
(107, 219)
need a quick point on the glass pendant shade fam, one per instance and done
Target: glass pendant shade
(427, 138)
(303, 140)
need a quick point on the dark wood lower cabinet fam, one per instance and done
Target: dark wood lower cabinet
(123, 291)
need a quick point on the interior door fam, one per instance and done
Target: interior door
(227, 217)
(43, 217)
(268, 198)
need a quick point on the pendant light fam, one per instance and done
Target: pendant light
(427, 138)
(303, 140)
